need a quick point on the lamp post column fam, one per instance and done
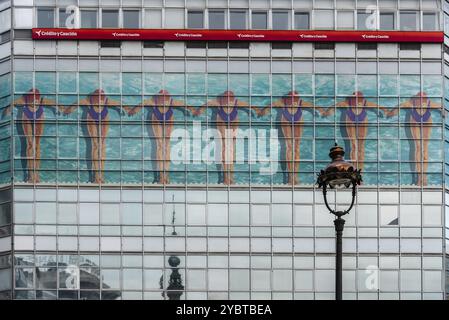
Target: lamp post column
(339, 226)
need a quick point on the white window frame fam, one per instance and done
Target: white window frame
(313, 23)
(437, 16)
(119, 24)
(417, 15)
(259, 11)
(205, 18)
(46, 8)
(96, 10)
(395, 17)
(247, 19)
(289, 17)
(294, 18)
(122, 17)
(225, 17)
(354, 17)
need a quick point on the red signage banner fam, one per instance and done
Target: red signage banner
(237, 35)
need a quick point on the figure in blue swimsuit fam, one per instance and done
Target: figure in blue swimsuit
(31, 113)
(162, 117)
(226, 116)
(97, 117)
(355, 119)
(290, 111)
(418, 114)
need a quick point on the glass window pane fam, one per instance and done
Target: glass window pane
(195, 19)
(131, 19)
(302, 21)
(109, 19)
(430, 21)
(280, 21)
(46, 277)
(24, 277)
(362, 19)
(132, 213)
(88, 19)
(409, 21)
(45, 212)
(153, 19)
(259, 20)
(132, 279)
(63, 18)
(345, 20)
(45, 18)
(216, 19)
(23, 213)
(386, 21)
(111, 279)
(238, 20)
(324, 19)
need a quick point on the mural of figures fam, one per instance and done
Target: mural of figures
(162, 115)
(263, 128)
(290, 110)
(418, 110)
(97, 117)
(31, 111)
(355, 127)
(225, 113)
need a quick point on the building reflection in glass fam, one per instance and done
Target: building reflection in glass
(175, 287)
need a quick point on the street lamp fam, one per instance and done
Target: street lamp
(339, 174)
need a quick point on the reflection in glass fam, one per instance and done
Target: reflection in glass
(24, 277)
(408, 20)
(46, 277)
(88, 19)
(237, 20)
(216, 19)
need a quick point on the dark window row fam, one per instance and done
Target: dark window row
(245, 45)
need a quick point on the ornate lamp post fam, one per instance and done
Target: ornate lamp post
(339, 174)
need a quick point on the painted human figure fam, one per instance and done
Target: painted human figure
(420, 118)
(31, 107)
(290, 111)
(161, 116)
(355, 119)
(225, 114)
(97, 116)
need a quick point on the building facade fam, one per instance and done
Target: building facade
(148, 150)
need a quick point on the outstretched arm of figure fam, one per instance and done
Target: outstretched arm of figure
(181, 105)
(133, 110)
(383, 110)
(51, 104)
(129, 110)
(312, 108)
(395, 110)
(69, 109)
(6, 112)
(115, 105)
(436, 105)
(275, 105)
(244, 106)
(196, 111)
(342, 104)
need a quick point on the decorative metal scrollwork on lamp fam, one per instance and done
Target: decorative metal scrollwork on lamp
(339, 174)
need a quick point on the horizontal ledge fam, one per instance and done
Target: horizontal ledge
(236, 35)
